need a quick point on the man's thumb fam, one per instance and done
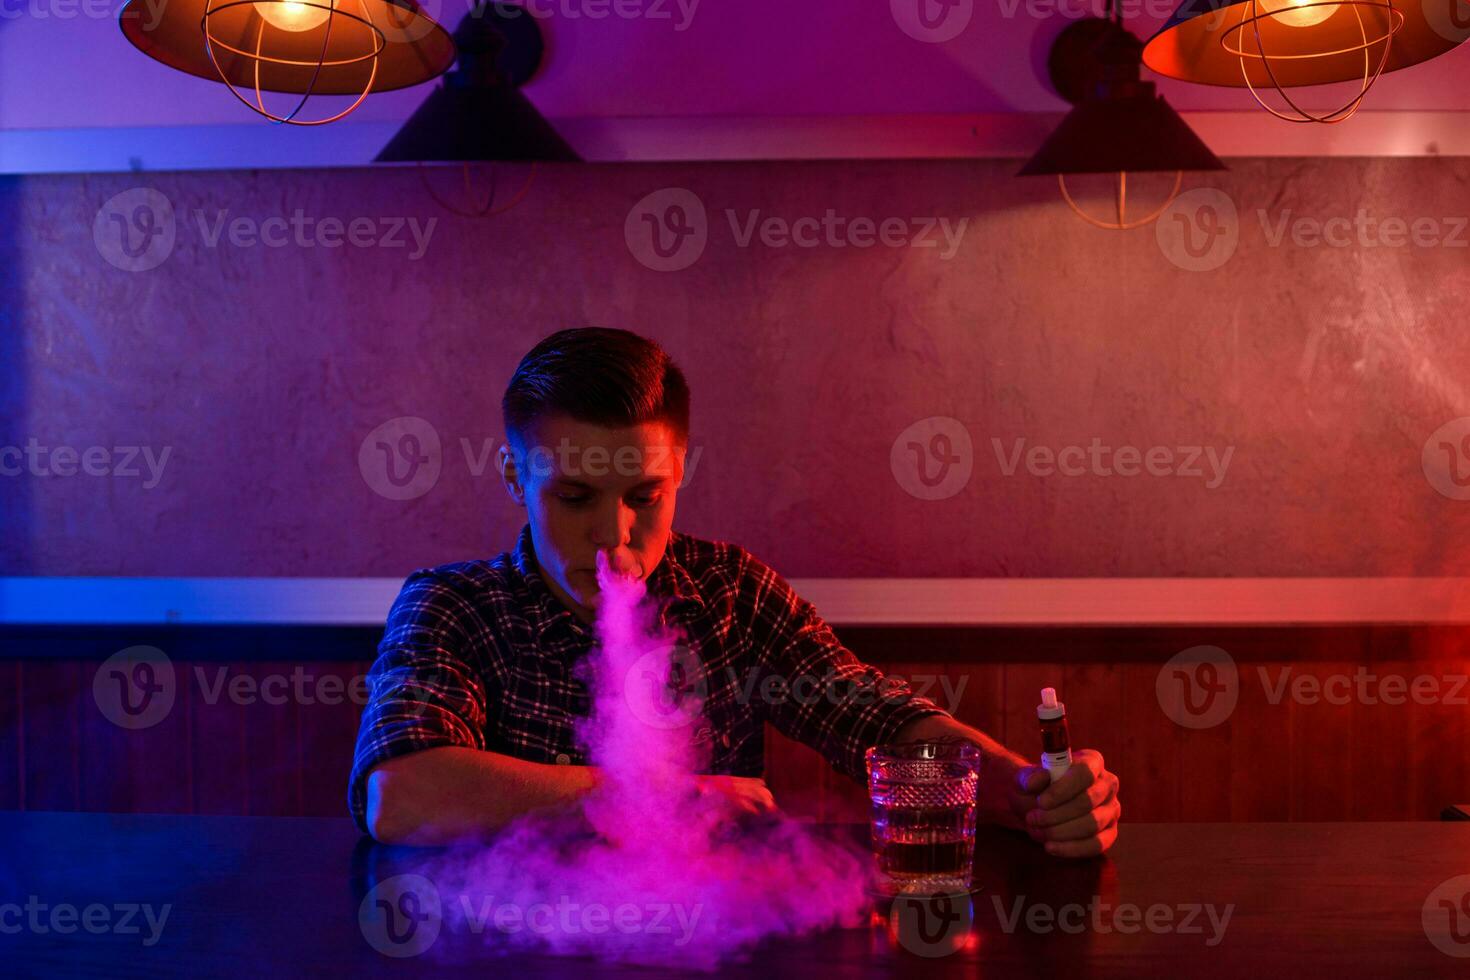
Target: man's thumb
(1031, 780)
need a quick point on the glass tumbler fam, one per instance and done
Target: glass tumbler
(923, 796)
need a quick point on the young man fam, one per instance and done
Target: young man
(475, 693)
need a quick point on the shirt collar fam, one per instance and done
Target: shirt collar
(670, 582)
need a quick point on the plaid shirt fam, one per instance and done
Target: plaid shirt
(481, 654)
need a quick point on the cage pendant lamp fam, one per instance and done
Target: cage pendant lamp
(298, 47)
(1279, 45)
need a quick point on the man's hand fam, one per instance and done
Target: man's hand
(1078, 817)
(743, 795)
(1075, 817)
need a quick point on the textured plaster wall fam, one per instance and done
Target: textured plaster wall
(261, 370)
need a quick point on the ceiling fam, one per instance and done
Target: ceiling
(671, 79)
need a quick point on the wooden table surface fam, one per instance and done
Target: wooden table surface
(280, 897)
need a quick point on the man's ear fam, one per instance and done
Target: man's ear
(510, 475)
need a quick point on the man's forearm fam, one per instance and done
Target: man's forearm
(445, 794)
(998, 767)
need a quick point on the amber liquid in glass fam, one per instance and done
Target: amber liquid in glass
(919, 843)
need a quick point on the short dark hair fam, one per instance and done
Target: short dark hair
(600, 375)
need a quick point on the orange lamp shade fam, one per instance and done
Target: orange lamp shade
(1291, 43)
(322, 47)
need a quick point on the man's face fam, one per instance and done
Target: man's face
(590, 489)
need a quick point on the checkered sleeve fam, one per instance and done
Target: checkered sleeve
(422, 690)
(826, 698)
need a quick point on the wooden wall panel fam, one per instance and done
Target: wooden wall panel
(221, 767)
(1267, 761)
(1261, 746)
(12, 741)
(326, 735)
(52, 733)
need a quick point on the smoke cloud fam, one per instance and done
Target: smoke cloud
(650, 868)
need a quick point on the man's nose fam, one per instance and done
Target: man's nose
(613, 528)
